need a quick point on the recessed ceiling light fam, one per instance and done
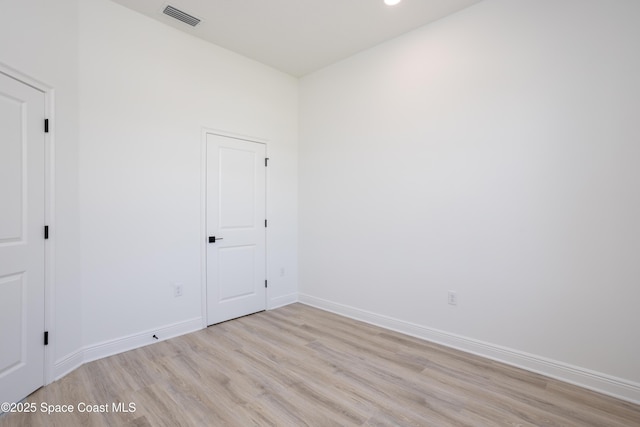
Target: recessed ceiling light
(391, 2)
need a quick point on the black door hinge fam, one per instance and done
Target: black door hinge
(265, 223)
(265, 283)
(46, 232)
(46, 337)
(266, 161)
(46, 125)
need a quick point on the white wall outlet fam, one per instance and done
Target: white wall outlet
(281, 271)
(178, 289)
(452, 298)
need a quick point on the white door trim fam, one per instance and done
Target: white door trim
(203, 210)
(49, 205)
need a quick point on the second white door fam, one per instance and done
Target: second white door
(22, 250)
(235, 221)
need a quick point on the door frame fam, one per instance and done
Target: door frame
(203, 211)
(49, 211)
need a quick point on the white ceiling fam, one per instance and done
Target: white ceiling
(299, 36)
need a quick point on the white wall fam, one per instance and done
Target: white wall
(494, 153)
(146, 92)
(38, 38)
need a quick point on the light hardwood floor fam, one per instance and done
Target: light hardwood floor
(298, 366)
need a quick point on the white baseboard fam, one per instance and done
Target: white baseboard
(90, 353)
(596, 381)
(67, 364)
(120, 345)
(283, 300)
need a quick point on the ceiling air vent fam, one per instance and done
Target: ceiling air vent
(181, 16)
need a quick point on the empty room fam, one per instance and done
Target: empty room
(306, 212)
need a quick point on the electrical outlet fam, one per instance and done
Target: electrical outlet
(452, 298)
(177, 290)
(281, 271)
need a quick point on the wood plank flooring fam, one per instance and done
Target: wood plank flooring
(298, 366)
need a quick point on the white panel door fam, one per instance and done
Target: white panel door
(21, 239)
(236, 187)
